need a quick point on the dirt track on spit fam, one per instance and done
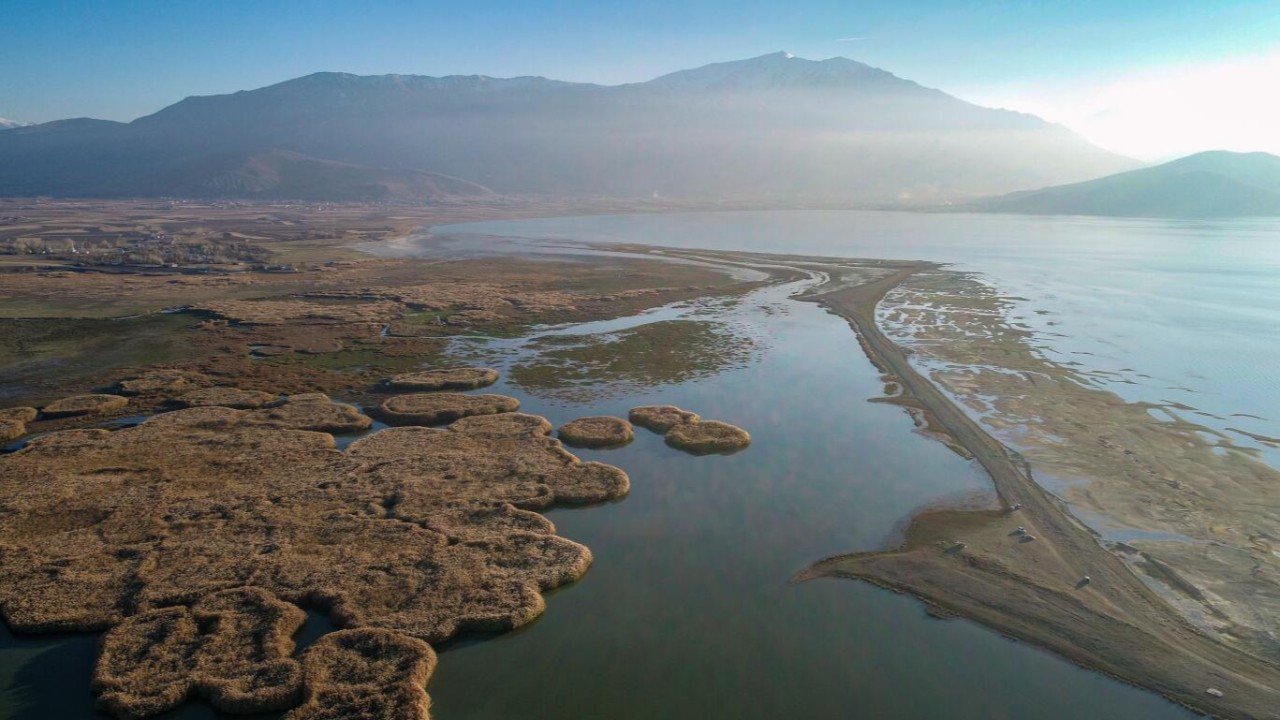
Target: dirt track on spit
(974, 564)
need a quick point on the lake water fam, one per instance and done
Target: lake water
(688, 611)
(1159, 311)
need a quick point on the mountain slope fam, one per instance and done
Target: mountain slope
(765, 129)
(1209, 184)
(278, 174)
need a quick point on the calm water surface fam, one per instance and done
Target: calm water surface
(688, 611)
(1161, 311)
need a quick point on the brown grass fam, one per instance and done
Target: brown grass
(438, 408)
(12, 429)
(159, 381)
(226, 397)
(458, 378)
(708, 436)
(21, 414)
(232, 648)
(312, 411)
(598, 431)
(366, 673)
(418, 531)
(688, 432)
(84, 405)
(661, 418)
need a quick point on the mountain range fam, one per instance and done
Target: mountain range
(1204, 185)
(768, 129)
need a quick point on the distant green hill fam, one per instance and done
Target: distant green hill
(1208, 184)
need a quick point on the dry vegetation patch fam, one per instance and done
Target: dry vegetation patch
(417, 531)
(598, 431)
(12, 429)
(312, 411)
(232, 648)
(293, 312)
(20, 414)
(708, 436)
(366, 673)
(227, 397)
(438, 408)
(661, 418)
(458, 378)
(159, 381)
(84, 405)
(688, 432)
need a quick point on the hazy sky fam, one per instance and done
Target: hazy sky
(1152, 79)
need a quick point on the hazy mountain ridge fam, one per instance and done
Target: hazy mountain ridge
(1204, 185)
(773, 128)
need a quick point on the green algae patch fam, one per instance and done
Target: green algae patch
(661, 353)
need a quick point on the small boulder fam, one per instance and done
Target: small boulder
(458, 378)
(598, 431)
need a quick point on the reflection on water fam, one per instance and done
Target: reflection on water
(688, 612)
(1177, 310)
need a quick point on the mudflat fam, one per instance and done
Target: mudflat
(1035, 572)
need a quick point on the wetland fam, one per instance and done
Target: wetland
(702, 567)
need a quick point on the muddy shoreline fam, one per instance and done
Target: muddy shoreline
(973, 564)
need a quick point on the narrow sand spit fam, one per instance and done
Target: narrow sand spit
(194, 535)
(84, 405)
(437, 408)
(458, 378)
(971, 563)
(597, 431)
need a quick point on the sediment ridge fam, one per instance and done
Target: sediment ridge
(1030, 570)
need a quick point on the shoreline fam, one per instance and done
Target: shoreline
(1032, 590)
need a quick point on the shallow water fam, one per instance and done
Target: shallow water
(1156, 310)
(688, 610)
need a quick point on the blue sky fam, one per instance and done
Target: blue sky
(117, 59)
